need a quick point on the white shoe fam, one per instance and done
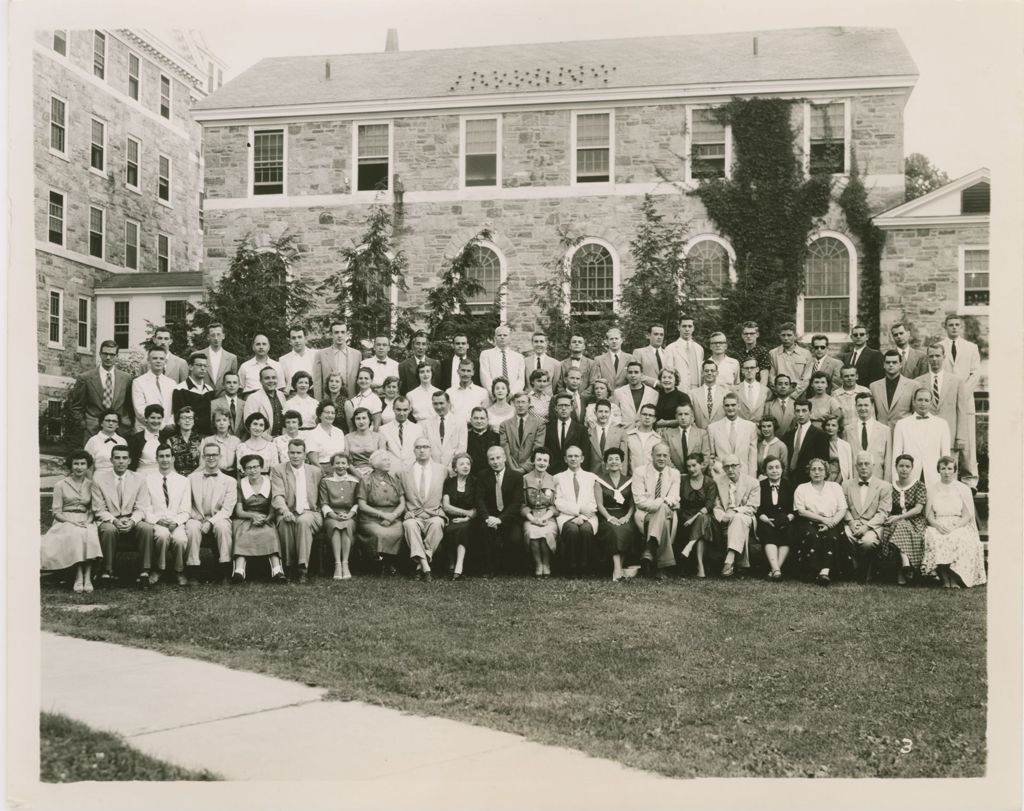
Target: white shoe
(87, 586)
(345, 573)
(78, 588)
(339, 572)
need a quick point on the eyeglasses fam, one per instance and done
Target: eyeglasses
(859, 334)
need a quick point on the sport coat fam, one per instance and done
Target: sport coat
(915, 362)
(587, 372)
(424, 505)
(490, 367)
(518, 454)
(228, 363)
(404, 449)
(623, 397)
(748, 495)
(776, 448)
(645, 485)
(258, 401)
(511, 495)
(147, 390)
(224, 497)
(177, 507)
(576, 434)
(782, 412)
(902, 400)
(696, 442)
(176, 368)
(579, 415)
(879, 446)
(548, 364)
(686, 360)
(283, 486)
(639, 445)
(830, 366)
(699, 401)
(604, 366)
(615, 437)
(85, 403)
(455, 438)
(238, 428)
(106, 506)
(869, 365)
(751, 408)
(345, 361)
(649, 360)
(877, 504)
(409, 378)
(967, 365)
(954, 405)
(744, 447)
(814, 446)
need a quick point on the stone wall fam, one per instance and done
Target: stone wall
(74, 279)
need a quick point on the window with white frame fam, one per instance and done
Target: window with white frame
(827, 140)
(373, 151)
(60, 42)
(96, 227)
(58, 125)
(591, 280)
(131, 164)
(99, 54)
(165, 96)
(133, 76)
(827, 288)
(974, 278)
(707, 145)
(480, 160)
(55, 320)
(174, 311)
(121, 310)
(202, 211)
(55, 218)
(131, 244)
(268, 162)
(98, 146)
(593, 147)
(708, 266)
(84, 322)
(485, 269)
(163, 253)
(163, 182)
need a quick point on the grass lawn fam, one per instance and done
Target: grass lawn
(70, 752)
(686, 678)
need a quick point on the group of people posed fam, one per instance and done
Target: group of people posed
(661, 459)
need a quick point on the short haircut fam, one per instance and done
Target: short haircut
(654, 326)
(647, 407)
(266, 369)
(716, 335)
(801, 403)
(213, 325)
(819, 337)
(536, 374)
(633, 363)
(820, 374)
(856, 327)
(440, 393)
(153, 349)
(299, 375)
(696, 456)
(362, 410)
(291, 414)
(563, 396)
(951, 317)
(298, 442)
(120, 449)
(465, 362)
(184, 410)
(903, 456)
(614, 451)
(476, 409)
(256, 415)
(938, 346)
(161, 328)
(339, 324)
(232, 374)
(750, 325)
(780, 376)
(730, 395)
(892, 353)
(153, 408)
(109, 344)
(75, 455)
(498, 380)
(945, 460)
(243, 463)
(196, 356)
(542, 449)
(108, 412)
(771, 419)
(419, 367)
(538, 334)
(324, 404)
(863, 395)
(684, 317)
(519, 394)
(163, 446)
(708, 362)
(787, 326)
(220, 412)
(602, 402)
(770, 458)
(339, 454)
(296, 328)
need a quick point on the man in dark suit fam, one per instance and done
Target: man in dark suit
(449, 377)
(573, 386)
(521, 434)
(499, 508)
(99, 390)
(577, 360)
(220, 362)
(563, 432)
(867, 361)
(804, 443)
(231, 402)
(408, 376)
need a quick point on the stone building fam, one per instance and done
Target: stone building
(118, 182)
(530, 139)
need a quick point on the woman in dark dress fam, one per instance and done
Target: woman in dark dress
(184, 441)
(616, 531)
(697, 494)
(253, 530)
(459, 502)
(479, 438)
(669, 399)
(775, 516)
(338, 502)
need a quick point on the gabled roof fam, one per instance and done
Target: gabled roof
(930, 207)
(508, 70)
(146, 281)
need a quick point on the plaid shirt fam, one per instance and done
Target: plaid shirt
(758, 353)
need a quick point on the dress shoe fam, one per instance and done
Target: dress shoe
(154, 578)
(143, 580)
(645, 567)
(728, 570)
(822, 580)
(280, 578)
(427, 577)
(660, 575)
(237, 577)
(339, 572)
(182, 580)
(456, 576)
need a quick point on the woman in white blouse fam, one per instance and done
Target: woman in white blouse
(302, 382)
(820, 545)
(602, 391)
(576, 502)
(388, 395)
(365, 397)
(325, 440)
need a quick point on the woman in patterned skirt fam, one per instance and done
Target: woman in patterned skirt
(952, 548)
(362, 443)
(73, 539)
(904, 528)
(338, 502)
(381, 506)
(539, 512)
(821, 547)
(184, 441)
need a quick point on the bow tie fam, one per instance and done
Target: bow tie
(210, 475)
(109, 439)
(918, 416)
(862, 484)
(382, 363)
(775, 487)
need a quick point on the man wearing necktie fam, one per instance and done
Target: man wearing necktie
(153, 387)
(564, 431)
(170, 507)
(576, 503)
(214, 495)
(865, 433)
(652, 356)
(804, 442)
(611, 365)
(952, 402)
(100, 445)
(520, 434)
(294, 488)
(656, 497)
(424, 518)
(499, 505)
(102, 389)
(685, 355)
(231, 403)
(400, 434)
(868, 502)
(119, 502)
(924, 436)
(502, 361)
(447, 435)
(538, 358)
(739, 496)
(268, 401)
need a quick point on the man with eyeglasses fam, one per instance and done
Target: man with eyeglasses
(750, 332)
(103, 389)
(822, 361)
(739, 496)
(214, 495)
(867, 361)
(728, 367)
(751, 393)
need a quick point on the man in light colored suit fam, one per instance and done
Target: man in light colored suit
(780, 407)
(102, 389)
(214, 495)
(538, 358)
(656, 496)
(739, 496)
(652, 357)
(502, 361)
(949, 396)
(153, 386)
(868, 504)
(865, 433)
(732, 436)
(294, 489)
(119, 503)
(686, 355)
(446, 433)
(300, 359)
(964, 360)
(520, 434)
(915, 363)
(894, 393)
(268, 401)
(751, 393)
(176, 368)
(611, 365)
(685, 439)
(424, 518)
(576, 513)
(634, 395)
(603, 436)
(338, 357)
(400, 434)
(822, 361)
(577, 360)
(707, 397)
(924, 436)
(231, 403)
(221, 362)
(170, 507)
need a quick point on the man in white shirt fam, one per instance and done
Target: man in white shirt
(686, 355)
(119, 502)
(732, 436)
(450, 367)
(176, 368)
(707, 397)
(221, 362)
(791, 359)
(153, 386)
(538, 358)
(949, 396)
(653, 356)
(656, 496)
(300, 359)
(963, 359)
(865, 433)
(100, 445)
(424, 520)
(467, 395)
(421, 397)
(728, 368)
(170, 506)
(268, 401)
(401, 435)
(447, 434)
(381, 364)
(641, 437)
(612, 364)
(922, 435)
(502, 361)
(846, 394)
(915, 363)
(249, 372)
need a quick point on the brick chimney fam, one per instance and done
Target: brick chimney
(391, 44)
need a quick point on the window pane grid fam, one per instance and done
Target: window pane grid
(976, 278)
(96, 150)
(99, 54)
(83, 323)
(55, 307)
(592, 130)
(162, 252)
(55, 216)
(57, 122)
(131, 245)
(96, 232)
(268, 162)
(592, 280)
(121, 324)
(373, 141)
(827, 287)
(708, 264)
(827, 122)
(486, 270)
(826, 314)
(707, 129)
(164, 179)
(481, 137)
(133, 76)
(131, 171)
(165, 97)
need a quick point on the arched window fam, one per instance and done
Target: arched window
(709, 266)
(830, 286)
(593, 277)
(488, 270)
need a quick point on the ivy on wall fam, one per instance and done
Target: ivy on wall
(854, 202)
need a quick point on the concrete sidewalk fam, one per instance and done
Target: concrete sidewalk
(244, 726)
